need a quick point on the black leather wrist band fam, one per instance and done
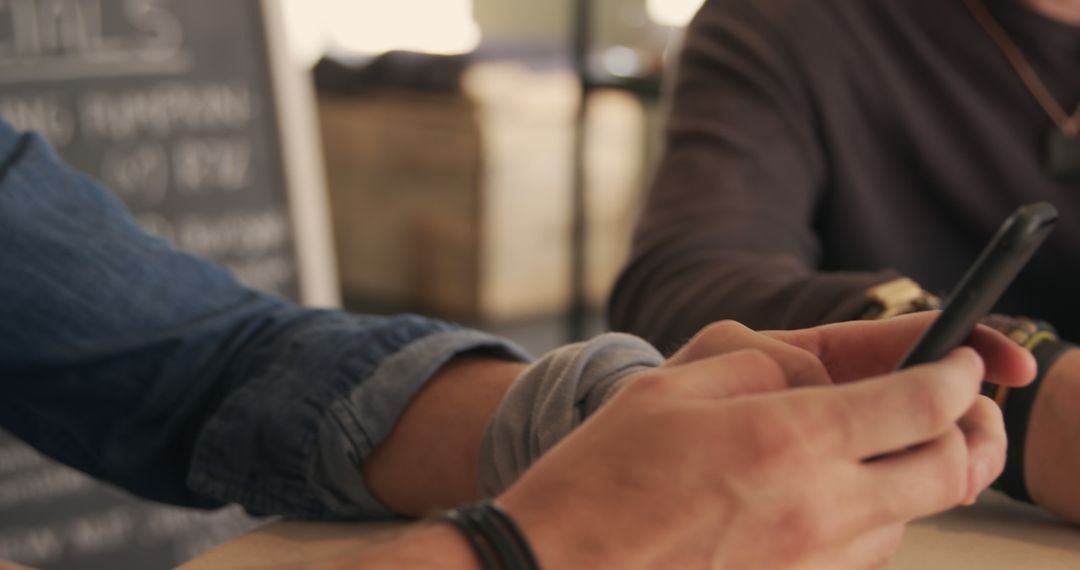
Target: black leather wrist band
(497, 541)
(1017, 412)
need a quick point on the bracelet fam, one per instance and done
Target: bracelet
(1017, 411)
(898, 297)
(495, 539)
(1028, 333)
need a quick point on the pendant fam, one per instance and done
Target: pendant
(1063, 155)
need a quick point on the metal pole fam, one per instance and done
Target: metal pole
(578, 309)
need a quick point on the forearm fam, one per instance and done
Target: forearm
(668, 294)
(468, 433)
(188, 387)
(430, 460)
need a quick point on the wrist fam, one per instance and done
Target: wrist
(453, 548)
(1026, 415)
(494, 536)
(560, 537)
(1050, 460)
(551, 398)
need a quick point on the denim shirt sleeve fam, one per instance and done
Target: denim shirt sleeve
(156, 371)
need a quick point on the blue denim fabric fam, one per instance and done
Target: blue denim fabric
(156, 371)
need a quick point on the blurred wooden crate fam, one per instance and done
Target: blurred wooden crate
(458, 205)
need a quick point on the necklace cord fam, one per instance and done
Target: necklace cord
(1069, 125)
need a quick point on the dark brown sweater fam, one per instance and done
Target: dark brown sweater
(817, 147)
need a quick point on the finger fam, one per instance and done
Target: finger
(714, 378)
(891, 412)
(800, 366)
(1006, 362)
(984, 432)
(858, 349)
(918, 482)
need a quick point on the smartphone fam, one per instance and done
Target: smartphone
(984, 282)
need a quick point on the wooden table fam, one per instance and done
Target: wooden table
(994, 533)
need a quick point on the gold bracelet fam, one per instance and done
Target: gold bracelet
(898, 297)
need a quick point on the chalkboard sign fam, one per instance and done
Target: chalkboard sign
(176, 105)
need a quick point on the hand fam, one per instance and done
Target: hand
(849, 351)
(711, 464)
(844, 352)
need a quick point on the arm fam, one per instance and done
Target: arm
(1044, 452)
(430, 459)
(1051, 460)
(158, 372)
(727, 231)
(786, 482)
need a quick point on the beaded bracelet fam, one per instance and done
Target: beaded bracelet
(497, 541)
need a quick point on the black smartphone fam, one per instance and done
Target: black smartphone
(984, 282)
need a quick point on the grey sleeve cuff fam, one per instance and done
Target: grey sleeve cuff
(356, 425)
(551, 398)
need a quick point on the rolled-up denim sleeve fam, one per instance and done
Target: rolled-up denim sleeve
(156, 371)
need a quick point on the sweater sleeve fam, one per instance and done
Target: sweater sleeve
(728, 229)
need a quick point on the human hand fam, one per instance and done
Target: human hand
(676, 472)
(844, 352)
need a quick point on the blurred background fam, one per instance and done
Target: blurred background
(476, 160)
(472, 153)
